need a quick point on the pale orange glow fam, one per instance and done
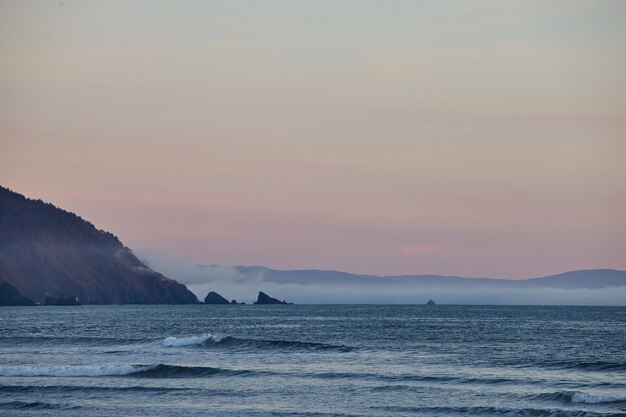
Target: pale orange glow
(423, 248)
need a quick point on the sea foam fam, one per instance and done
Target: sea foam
(209, 340)
(74, 370)
(583, 398)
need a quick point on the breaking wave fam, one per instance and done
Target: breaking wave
(214, 341)
(581, 397)
(146, 371)
(191, 340)
(72, 370)
(578, 397)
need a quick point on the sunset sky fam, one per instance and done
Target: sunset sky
(475, 138)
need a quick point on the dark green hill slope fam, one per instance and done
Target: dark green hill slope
(46, 251)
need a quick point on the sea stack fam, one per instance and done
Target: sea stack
(430, 303)
(215, 298)
(266, 299)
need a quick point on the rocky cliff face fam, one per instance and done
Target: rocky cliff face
(49, 252)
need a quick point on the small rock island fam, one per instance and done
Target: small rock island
(430, 303)
(215, 298)
(266, 299)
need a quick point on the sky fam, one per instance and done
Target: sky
(483, 138)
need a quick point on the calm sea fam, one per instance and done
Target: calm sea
(322, 360)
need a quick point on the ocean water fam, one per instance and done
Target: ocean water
(321, 360)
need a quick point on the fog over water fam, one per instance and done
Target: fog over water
(243, 286)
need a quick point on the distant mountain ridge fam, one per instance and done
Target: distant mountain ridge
(48, 252)
(594, 287)
(581, 279)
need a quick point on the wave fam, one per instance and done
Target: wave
(585, 366)
(51, 389)
(496, 411)
(579, 397)
(175, 371)
(214, 341)
(53, 341)
(34, 405)
(601, 366)
(394, 379)
(205, 340)
(146, 371)
(73, 370)
(191, 340)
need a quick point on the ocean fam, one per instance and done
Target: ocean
(312, 360)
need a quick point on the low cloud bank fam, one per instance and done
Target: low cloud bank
(235, 284)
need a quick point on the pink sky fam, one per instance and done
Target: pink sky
(392, 138)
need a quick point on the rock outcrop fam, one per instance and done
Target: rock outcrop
(9, 296)
(266, 299)
(215, 298)
(46, 251)
(430, 303)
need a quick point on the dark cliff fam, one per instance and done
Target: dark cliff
(48, 252)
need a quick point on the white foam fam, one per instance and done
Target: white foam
(581, 397)
(190, 341)
(73, 370)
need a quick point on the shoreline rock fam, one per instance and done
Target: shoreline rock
(266, 299)
(214, 298)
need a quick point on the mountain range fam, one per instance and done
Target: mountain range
(311, 286)
(581, 279)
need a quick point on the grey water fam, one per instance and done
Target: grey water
(312, 360)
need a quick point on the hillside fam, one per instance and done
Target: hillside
(48, 252)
